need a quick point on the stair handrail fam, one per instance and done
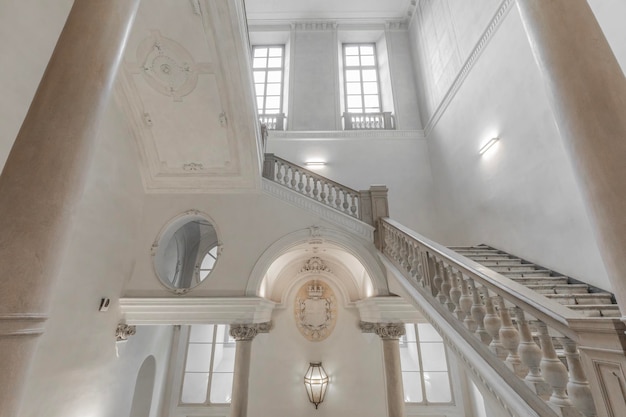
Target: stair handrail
(478, 301)
(324, 190)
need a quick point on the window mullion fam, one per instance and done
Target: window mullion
(210, 383)
(419, 358)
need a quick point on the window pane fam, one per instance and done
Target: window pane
(409, 360)
(354, 102)
(260, 52)
(198, 357)
(353, 88)
(276, 52)
(428, 333)
(352, 50)
(367, 50)
(259, 63)
(274, 76)
(370, 88)
(368, 61)
(273, 89)
(224, 358)
(352, 61)
(221, 388)
(433, 357)
(272, 102)
(437, 386)
(194, 388)
(259, 103)
(275, 62)
(369, 75)
(371, 102)
(412, 387)
(259, 89)
(410, 333)
(223, 336)
(353, 75)
(201, 333)
(259, 76)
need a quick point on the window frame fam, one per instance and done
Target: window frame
(361, 68)
(417, 345)
(262, 111)
(207, 399)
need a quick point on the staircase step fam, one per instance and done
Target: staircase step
(523, 268)
(559, 288)
(581, 299)
(505, 262)
(540, 280)
(539, 273)
(602, 310)
(491, 258)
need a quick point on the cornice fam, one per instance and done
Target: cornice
(388, 309)
(195, 310)
(492, 28)
(342, 135)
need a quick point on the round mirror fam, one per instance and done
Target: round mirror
(186, 252)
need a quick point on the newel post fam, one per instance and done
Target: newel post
(268, 166)
(374, 206)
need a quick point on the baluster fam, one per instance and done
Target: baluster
(510, 340)
(578, 386)
(316, 190)
(455, 294)
(346, 204)
(353, 206)
(300, 182)
(465, 302)
(554, 373)
(446, 286)
(421, 268)
(530, 354)
(492, 325)
(279, 172)
(293, 182)
(437, 280)
(404, 255)
(478, 314)
(337, 198)
(413, 254)
(307, 188)
(323, 195)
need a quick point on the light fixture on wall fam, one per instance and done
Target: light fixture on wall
(488, 145)
(315, 164)
(316, 382)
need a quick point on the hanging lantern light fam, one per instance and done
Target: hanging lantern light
(316, 382)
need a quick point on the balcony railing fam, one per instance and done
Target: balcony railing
(368, 121)
(273, 121)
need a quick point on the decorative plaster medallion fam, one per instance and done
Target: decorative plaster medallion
(167, 66)
(315, 310)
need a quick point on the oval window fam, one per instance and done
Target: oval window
(186, 252)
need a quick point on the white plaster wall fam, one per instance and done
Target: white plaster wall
(29, 30)
(353, 360)
(76, 371)
(521, 197)
(402, 164)
(610, 15)
(314, 90)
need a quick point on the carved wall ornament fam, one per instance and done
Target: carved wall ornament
(385, 331)
(315, 310)
(167, 66)
(193, 166)
(315, 265)
(124, 331)
(243, 332)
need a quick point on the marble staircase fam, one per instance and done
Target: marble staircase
(578, 296)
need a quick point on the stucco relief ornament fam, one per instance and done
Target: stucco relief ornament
(315, 310)
(167, 66)
(315, 265)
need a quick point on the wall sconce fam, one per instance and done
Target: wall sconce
(316, 382)
(488, 145)
(315, 164)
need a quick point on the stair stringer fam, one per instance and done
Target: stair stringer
(511, 393)
(334, 216)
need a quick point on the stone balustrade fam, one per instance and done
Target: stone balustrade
(533, 336)
(313, 185)
(368, 121)
(273, 121)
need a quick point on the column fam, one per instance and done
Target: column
(390, 334)
(587, 91)
(43, 178)
(243, 334)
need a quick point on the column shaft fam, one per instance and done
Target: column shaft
(393, 378)
(43, 177)
(241, 378)
(587, 91)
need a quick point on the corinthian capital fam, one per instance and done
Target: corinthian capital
(241, 332)
(385, 331)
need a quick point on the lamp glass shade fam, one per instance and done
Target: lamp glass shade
(316, 383)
